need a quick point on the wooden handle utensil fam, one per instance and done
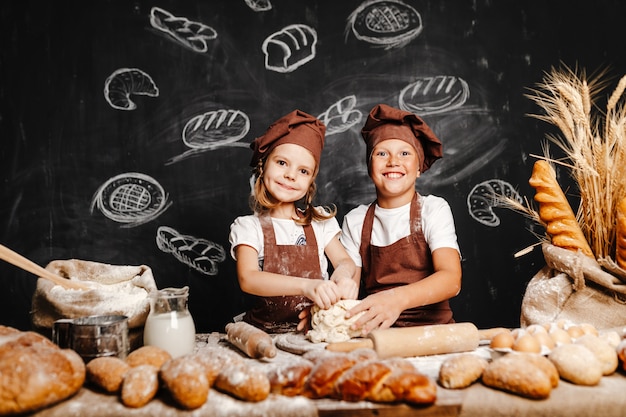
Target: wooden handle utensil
(18, 260)
(416, 341)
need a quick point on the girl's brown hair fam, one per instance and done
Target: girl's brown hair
(261, 201)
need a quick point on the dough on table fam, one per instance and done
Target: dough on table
(331, 325)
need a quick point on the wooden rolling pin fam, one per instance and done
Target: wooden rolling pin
(416, 341)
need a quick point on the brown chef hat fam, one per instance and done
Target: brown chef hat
(296, 127)
(386, 122)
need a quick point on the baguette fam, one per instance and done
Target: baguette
(251, 340)
(620, 250)
(555, 211)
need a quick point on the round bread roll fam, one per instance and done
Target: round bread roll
(107, 372)
(148, 355)
(514, 373)
(576, 364)
(605, 353)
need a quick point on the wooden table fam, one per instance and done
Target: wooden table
(607, 399)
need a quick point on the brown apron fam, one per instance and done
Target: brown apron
(403, 262)
(280, 314)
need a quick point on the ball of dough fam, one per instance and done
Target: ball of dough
(331, 325)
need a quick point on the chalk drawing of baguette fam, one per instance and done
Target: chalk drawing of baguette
(341, 116)
(431, 95)
(193, 35)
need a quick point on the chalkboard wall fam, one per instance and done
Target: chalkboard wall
(125, 125)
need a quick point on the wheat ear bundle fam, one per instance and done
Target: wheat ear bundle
(594, 146)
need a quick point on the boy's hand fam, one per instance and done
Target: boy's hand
(348, 289)
(381, 311)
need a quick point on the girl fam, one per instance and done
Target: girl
(281, 249)
(404, 244)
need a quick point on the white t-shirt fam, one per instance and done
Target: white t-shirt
(390, 225)
(246, 230)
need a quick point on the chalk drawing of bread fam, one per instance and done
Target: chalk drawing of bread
(385, 23)
(193, 35)
(123, 83)
(289, 48)
(215, 128)
(341, 116)
(200, 254)
(431, 95)
(131, 198)
(487, 195)
(259, 5)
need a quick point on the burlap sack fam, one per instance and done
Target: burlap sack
(574, 287)
(117, 289)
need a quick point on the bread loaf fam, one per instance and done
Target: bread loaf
(251, 340)
(381, 381)
(148, 355)
(620, 238)
(361, 376)
(513, 373)
(107, 373)
(185, 381)
(34, 372)
(603, 351)
(555, 211)
(243, 381)
(215, 359)
(461, 371)
(140, 385)
(288, 379)
(576, 364)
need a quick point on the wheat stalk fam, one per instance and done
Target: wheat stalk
(595, 148)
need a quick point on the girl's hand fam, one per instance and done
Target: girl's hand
(381, 309)
(304, 316)
(348, 289)
(324, 293)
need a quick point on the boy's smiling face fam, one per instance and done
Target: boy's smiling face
(394, 167)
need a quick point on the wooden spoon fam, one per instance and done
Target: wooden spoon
(28, 265)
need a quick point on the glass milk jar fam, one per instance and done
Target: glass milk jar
(169, 324)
